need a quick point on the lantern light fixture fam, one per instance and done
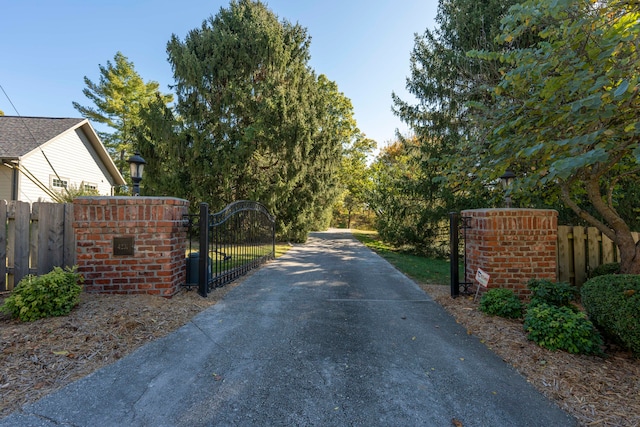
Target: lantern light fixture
(507, 182)
(136, 168)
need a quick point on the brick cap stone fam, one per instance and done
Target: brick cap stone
(128, 198)
(510, 210)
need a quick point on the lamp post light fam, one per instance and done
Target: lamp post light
(136, 167)
(507, 181)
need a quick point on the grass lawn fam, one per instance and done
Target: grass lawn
(281, 249)
(419, 268)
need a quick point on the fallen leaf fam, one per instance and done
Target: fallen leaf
(456, 423)
(61, 352)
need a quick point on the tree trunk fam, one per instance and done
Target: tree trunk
(613, 226)
(629, 254)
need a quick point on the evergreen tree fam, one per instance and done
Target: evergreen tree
(443, 79)
(255, 121)
(163, 143)
(119, 97)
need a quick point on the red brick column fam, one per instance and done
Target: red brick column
(150, 238)
(512, 246)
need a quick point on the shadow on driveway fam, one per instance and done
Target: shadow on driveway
(330, 334)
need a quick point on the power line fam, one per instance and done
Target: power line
(34, 140)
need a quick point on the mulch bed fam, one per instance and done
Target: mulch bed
(40, 357)
(597, 391)
(37, 358)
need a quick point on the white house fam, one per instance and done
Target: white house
(40, 155)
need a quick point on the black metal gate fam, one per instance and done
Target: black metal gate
(231, 242)
(458, 226)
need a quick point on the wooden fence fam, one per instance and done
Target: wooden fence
(36, 237)
(580, 250)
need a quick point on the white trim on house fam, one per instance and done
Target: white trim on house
(76, 156)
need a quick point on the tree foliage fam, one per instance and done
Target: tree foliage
(119, 97)
(252, 120)
(355, 177)
(405, 214)
(443, 79)
(565, 109)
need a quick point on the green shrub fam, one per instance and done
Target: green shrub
(613, 304)
(605, 269)
(547, 292)
(52, 294)
(560, 328)
(501, 302)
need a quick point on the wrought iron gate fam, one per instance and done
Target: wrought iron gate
(458, 226)
(233, 241)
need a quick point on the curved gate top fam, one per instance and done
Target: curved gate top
(240, 206)
(237, 239)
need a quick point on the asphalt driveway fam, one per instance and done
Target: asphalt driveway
(328, 335)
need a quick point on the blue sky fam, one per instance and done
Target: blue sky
(49, 46)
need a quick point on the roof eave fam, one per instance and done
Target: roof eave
(101, 151)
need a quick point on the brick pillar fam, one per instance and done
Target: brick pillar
(512, 246)
(131, 245)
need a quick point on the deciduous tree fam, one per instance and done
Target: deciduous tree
(355, 175)
(567, 108)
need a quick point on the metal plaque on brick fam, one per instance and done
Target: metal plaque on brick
(123, 245)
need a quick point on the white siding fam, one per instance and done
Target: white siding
(5, 182)
(72, 157)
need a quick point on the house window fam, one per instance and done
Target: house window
(57, 183)
(89, 186)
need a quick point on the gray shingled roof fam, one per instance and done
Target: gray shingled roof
(20, 135)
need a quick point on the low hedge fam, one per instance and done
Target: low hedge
(544, 291)
(613, 305)
(51, 294)
(501, 302)
(561, 328)
(604, 269)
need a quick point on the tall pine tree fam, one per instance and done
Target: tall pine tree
(252, 119)
(444, 79)
(119, 97)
